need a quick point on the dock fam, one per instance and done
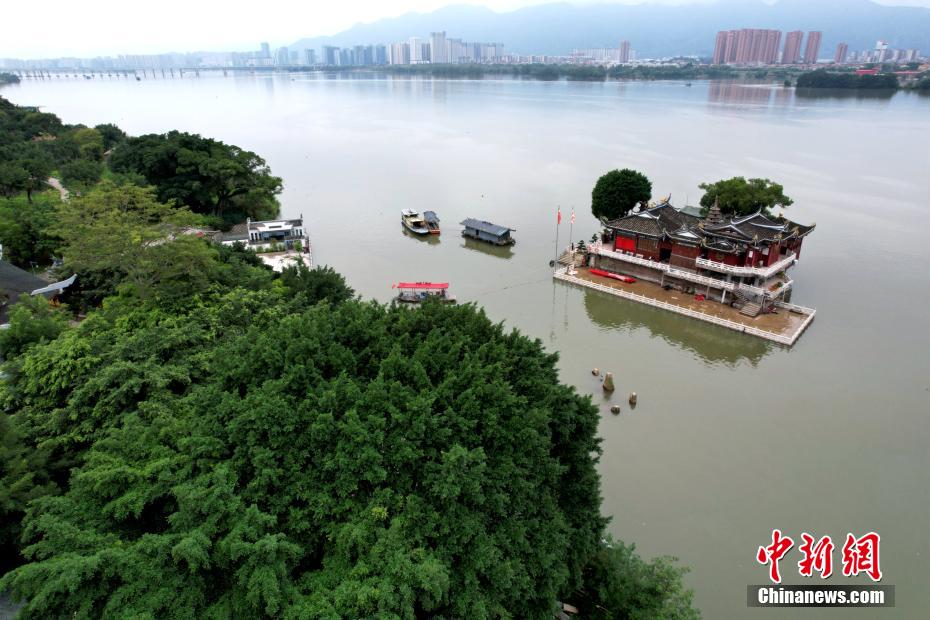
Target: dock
(783, 327)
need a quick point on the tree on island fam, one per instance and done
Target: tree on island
(208, 176)
(617, 192)
(737, 196)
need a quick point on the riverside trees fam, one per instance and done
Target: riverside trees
(618, 191)
(737, 196)
(208, 176)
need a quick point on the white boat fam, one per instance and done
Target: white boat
(413, 222)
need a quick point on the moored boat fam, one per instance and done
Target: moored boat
(413, 222)
(432, 222)
(416, 292)
(614, 276)
(486, 231)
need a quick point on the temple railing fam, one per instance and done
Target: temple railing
(763, 272)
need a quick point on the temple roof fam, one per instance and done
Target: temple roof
(716, 231)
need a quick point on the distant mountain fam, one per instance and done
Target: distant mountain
(653, 30)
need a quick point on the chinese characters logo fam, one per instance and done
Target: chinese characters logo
(859, 555)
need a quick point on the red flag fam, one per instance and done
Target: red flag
(558, 216)
(573, 215)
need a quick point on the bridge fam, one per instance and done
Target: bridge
(159, 73)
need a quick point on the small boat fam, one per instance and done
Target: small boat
(486, 231)
(413, 222)
(614, 276)
(416, 292)
(432, 222)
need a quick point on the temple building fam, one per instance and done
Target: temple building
(742, 261)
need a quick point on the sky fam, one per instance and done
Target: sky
(88, 28)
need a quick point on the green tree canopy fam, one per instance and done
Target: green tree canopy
(32, 320)
(349, 460)
(620, 584)
(26, 229)
(144, 245)
(81, 173)
(737, 196)
(111, 134)
(208, 176)
(618, 191)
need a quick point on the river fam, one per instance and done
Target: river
(732, 436)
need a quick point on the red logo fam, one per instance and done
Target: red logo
(817, 557)
(860, 555)
(773, 553)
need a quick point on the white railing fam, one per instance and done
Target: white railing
(652, 264)
(749, 288)
(763, 272)
(795, 308)
(699, 279)
(790, 339)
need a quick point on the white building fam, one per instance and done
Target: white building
(437, 48)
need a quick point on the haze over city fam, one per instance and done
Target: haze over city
(109, 27)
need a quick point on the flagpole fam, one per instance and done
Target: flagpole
(558, 220)
(571, 228)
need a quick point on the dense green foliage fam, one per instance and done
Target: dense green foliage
(737, 196)
(26, 229)
(618, 191)
(822, 78)
(32, 321)
(594, 73)
(206, 175)
(9, 78)
(619, 584)
(348, 461)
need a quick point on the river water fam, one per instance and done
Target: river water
(732, 436)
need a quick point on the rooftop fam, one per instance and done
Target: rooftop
(664, 221)
(488, 227)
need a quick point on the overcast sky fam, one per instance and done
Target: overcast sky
(86, 28)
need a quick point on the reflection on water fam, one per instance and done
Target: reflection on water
(744, 93)
(710, 343)
(500, 251)
(428, 239)
(842, 93)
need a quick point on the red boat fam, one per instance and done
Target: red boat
(614, 276)
(416, 292)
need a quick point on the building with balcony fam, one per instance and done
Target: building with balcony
(739, 261)
(277, 242)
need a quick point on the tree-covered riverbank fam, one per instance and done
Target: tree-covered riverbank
(589, 72)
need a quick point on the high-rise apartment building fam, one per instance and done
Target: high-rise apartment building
(399, 54)
(625, 52)
(842, 51)
(455, 50)
(792, 52)
(416, 50)
(437, 48)
(747, 46)
(813, 47)
(330, 55)
(266, 50)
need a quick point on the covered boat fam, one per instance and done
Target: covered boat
(432, 222)
(413, 222)
(614, 276)
(486, 231)
(416, 292)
